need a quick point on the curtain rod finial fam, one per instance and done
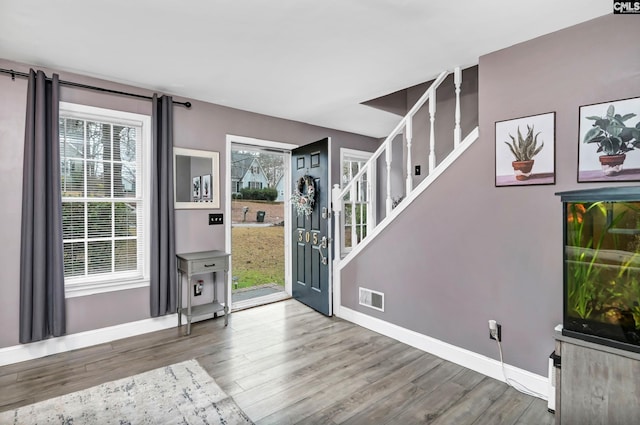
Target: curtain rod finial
(187, 104)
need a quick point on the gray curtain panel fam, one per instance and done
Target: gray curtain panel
(163, 250)
(42, 301)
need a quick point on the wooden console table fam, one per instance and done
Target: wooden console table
(195, 263)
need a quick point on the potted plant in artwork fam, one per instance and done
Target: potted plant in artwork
(614, 139)
(524, 149)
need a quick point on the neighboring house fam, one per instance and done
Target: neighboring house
(246, 172)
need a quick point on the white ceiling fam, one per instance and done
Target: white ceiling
(313, 61)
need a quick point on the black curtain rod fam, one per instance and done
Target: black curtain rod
(15, 74)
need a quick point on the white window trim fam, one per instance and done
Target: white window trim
(92, 288)
(354, 154)
(98, 285)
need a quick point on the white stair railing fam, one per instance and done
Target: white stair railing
(352, 225)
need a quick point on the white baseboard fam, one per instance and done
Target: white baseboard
(34, 350)
(469, 359)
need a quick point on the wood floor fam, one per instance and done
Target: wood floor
(286, 364)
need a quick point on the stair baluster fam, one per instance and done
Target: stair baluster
(457, 131)
(432, 130)
(361, 191)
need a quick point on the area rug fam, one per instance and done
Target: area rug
(182, 393)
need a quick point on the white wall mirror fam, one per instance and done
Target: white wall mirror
(196, 179)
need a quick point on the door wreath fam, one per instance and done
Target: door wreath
(303, 200)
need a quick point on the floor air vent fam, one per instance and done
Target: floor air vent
(373, 299)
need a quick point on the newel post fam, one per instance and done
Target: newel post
(337, 234)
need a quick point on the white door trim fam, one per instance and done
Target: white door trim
(270, 144)
(331, 248)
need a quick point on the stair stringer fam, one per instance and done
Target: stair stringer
(421, 187)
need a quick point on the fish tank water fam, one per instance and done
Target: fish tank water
(602, 266)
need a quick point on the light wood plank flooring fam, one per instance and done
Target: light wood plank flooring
(285, 364)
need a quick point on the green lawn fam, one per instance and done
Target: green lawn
(258, 255)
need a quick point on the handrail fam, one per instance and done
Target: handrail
(362, 195)
(397, 129)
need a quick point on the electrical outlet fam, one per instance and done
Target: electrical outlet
(417, 170)
(197, 289)
(496, 333)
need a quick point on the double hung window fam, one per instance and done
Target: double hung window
(105, 198)
(358, 207)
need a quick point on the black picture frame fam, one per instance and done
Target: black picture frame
(207, 188)
(606, 152)
(197, 189)
(512, 133)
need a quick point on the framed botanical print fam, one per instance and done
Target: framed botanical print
(525, 150)
(609, 144)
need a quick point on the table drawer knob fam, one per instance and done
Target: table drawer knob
(210, 265)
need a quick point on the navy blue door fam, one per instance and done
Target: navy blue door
(311, 277)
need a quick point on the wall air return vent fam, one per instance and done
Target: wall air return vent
(372, 299)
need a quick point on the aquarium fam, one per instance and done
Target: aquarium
(602, 266)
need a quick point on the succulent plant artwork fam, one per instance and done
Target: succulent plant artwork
(524, 149)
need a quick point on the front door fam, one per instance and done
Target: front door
(311, 206)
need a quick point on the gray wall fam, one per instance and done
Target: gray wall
(205, 127)
(466, 251)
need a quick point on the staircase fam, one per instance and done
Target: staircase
(355, 206)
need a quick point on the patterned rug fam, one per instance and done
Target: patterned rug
(182, 393)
